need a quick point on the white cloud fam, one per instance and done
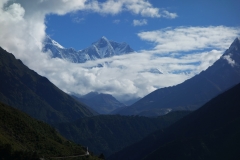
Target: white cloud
(169, 15)
(77, 19)
(190, 38)
(140, 22)
(116, 21)
(229, 60)
(23, 28)
(141, 7)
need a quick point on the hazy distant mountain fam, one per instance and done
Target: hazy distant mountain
(131, 101)
(211, 132)
(102, 103)
(35, 95)
(194, 92)
(103, 48)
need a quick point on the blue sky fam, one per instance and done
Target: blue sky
(79, 29)
(179, 38)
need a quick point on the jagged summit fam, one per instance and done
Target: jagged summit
(235, 44)
(103, 41)
(232, 55)
(102, 48)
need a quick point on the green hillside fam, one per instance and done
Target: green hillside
(22, 137)
(110, 133)
(35, 95)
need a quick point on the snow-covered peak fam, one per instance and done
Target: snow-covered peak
(102, 42)
(104, 38)
(100, 49)
(50, 41)
(57, 44)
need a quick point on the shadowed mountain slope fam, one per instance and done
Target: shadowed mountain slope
(35, 95)
(22, 138)
(194, 92)
(211, 132)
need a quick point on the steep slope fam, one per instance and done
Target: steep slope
(103, 48)
(102, 103)
(35, 95)
(22, 137)
(211, 132)
(194, 92)
(110, 133)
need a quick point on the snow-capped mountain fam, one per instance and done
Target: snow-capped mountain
(103, 48)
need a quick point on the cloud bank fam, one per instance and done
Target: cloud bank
(128, 76)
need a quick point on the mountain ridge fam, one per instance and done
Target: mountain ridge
(194, 92)
(100, 49)
(27, 91)
(210, 132)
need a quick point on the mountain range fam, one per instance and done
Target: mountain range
(194, 92)
(103, 48)
(35, 95)
(211, 132)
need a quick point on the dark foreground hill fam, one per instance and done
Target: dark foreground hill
(194, 92)
(22, 138)
(209, 133)
(35, 95)
(110, 133)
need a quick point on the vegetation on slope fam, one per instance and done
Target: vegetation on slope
(35, 95)
(22, 137)
(110, 133)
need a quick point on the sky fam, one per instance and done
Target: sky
(179, 38)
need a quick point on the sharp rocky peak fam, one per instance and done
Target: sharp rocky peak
(236, 42)
(102, 41)
(100, 49)
(234, 47)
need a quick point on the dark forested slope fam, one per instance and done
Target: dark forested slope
(22, 137)
(110, 133)
(35, 95)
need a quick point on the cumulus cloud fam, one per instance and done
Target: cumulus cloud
(23, 29)
(169, 15)
(140, 22)
(141, 7)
